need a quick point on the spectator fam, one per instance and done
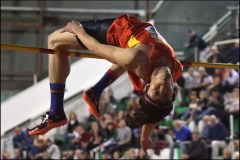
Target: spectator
(181, 134)
(80, 154)
(116, 155)
(227, 155)
(112, 99)
(230, 79)
(110, 131)
(191, 77)
(214, 56)
(231, 150)
(231, 102)
(67, 155)
(17, 154)
(72, 123)
(203, 100)
(84, 155)
(204, 79)
(45, 155)
(5, 155)
(39, 146)
(215, 104)
(203, 126)
(77, 154)
(82, 138)
(105, 104)
(233, 55)
(217, 83)
(197, 41)
(120, 115)
(21, 140)
(197, 148)
(124, 135)
(217, 135)
(191, 80)
(130, 154)
(53, 150)
(96, 134)
(193, 108)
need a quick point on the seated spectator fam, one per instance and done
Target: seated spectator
(21, 140)
(191, 77)
(110, 131)
(120, 115)
(80, 154)
(214, 56)
(96, 134)
(231, 102)
(72, 123)
(191, 80)
(215, 104)
(197, 148)
(39, 146)
(105, 104)
(17, 154)
(5, 155)
(204, 79)
(112, 99)
(53, 150)
(231, 150)
(203, 126)
(230, 79)
(116, 155)
(203, 100)
(130, 154)
(82, 138)
(77, 154)
(233, 55)
(217, 135)
(196, 113)
(217, 83)
(189, 115)
(181, 134)
(124, 135)
(67, 155)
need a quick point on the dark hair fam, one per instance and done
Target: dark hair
(147, 112)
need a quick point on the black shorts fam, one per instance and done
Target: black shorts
(97, 29)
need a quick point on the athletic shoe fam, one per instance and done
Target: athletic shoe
(48, 122)
(93, 102)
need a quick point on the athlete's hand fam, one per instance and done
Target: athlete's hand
(73, 27)
(145, 144)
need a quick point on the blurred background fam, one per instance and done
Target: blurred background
(24, 84)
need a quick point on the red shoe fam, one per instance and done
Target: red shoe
(48, 122)
(93, 103)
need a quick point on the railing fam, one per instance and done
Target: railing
(139, 12)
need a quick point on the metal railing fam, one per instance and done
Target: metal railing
(139, 12)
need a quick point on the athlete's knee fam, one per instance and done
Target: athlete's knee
(55, 43)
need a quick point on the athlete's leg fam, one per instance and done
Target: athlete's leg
(92, 95)
(59, 68)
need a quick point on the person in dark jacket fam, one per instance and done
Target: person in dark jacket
(197, 41)
(197, 148)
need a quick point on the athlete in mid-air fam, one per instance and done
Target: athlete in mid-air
(130, 45)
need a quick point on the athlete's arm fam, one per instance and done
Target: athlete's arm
(124, 57)
(146, 141)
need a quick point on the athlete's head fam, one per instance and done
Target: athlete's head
(156, 101)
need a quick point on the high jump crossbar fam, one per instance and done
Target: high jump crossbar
(88, 55)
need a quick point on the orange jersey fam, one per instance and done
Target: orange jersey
(127, 31)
